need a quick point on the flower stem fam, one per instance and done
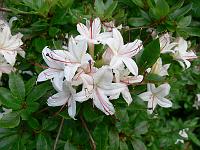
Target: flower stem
(91, 49)
(88, 131)
(58, 134)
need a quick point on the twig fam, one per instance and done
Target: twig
(5, 9)
(90, 136)
(58, 134)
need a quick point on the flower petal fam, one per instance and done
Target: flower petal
(131, 65)
(47, 74)
(102, 102)
(163, 102)
(83, 30)
(58, 99)
(131, 49)
(70, 71)
(162, 90)
(146, 96)
(127, 96)
(72, 108)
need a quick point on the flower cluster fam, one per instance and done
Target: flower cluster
(178, 49)
(76, 77)
(9, 47)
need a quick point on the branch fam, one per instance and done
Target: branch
(90, 136)
(58, 134)
(5, 9)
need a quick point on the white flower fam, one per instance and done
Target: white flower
(4, 66)
(197, 102)
(91, 32)
(122, 76)
(183, 135)
(77, 54)
(66, 96)
(156, 96)
(158, 68)
(181, 54)
(98, 87)
(120, 53)
(5, 111)
(166, 46)
(10, 45)
(56, 60)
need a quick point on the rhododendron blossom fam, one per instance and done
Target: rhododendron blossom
(10, 45)
(181, 54)
(156, 96)
(77, 75)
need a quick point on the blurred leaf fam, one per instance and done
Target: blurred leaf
(39, 43)
(113, 140)
(69, 146)
(37, 92)
(141, 127)
(138, 3)
(49, 124)
(194, 139)
(154, 77)
(7, 99)
(185, 21)
(181, 12)
(137, 21)
(192, 31)
(101, 136)
(17, 87)
(10, 120)
(33, 123)
(123, 145)
(8, 141)
(138, 145)
(41, 142)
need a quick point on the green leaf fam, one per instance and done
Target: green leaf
(123, 145)
(181, 12)
(101, 136)
(138, 145)
(113, 140)
(138, 3)
(37, 92)
(8, 141)
(90, 114)
(141, 127)
(185, 21)
(49, 124)
(194, 138)
(53, 31)
(109, 11)
(137, 21)
(99, 7)
(10, 120)
(192, 31)
(161, 9)
(69, 146)
(17, 87)
(154, 77)
(30, 84)
(150, 54)
(33, 123)
(41, 142)
(39, 43)
(7, 99)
